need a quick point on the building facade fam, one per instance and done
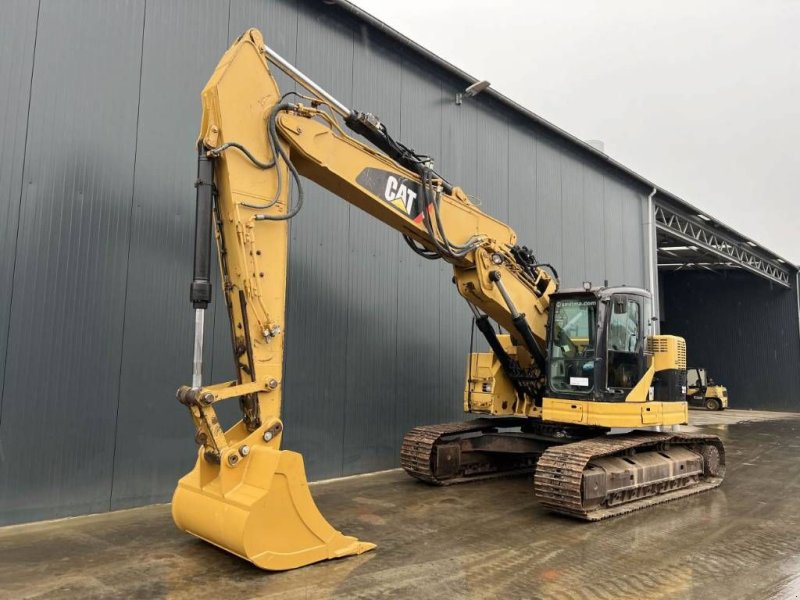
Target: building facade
(98, 121)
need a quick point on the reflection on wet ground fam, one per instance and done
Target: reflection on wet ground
(482, 540)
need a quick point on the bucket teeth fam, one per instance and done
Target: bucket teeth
(354, 548)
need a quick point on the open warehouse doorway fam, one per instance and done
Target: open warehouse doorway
(735, 303)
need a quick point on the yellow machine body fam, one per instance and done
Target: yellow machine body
(720, 392)
(489, 391)
(247, 495)
(615, 414)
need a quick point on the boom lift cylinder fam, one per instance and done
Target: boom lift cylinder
(200, 290)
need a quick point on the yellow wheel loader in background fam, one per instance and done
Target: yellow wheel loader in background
(569, 365)
(702, 392)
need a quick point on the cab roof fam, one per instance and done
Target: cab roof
(601, 292)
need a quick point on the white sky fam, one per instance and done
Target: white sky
(701, 97)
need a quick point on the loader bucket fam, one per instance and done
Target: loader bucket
(260, 510)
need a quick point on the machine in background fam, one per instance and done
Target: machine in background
(702, 392)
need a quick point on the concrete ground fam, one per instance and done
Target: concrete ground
(481, 540)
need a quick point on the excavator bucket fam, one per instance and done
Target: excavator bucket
(262, 511)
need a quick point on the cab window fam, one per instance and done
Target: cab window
(572, 345)
(624, 341)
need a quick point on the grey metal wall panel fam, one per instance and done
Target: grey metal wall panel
(522, 186)
(491, 166)
(183, 40)
(419, 398)
(319, 277)
(624, 244)
(65, 337)
(371, 440)
(634, 247)
(573, 236)
(459, 155)
(743, 329)
(491, 194)
(548, 203)
(17, 42)
(650, 260)
(613, 207)
(594, 243)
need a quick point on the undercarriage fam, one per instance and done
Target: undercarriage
(582, 472)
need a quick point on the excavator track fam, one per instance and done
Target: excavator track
(459, 452)
(420, 458)
(581, 480)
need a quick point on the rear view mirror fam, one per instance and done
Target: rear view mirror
(619, 307)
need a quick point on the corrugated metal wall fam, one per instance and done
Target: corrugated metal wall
(99, 113)
(743, 329)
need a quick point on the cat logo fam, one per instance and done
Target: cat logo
(399, 191)
(399, 194)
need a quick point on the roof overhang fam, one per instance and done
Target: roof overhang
(695, 242)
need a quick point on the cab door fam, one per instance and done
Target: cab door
(624, 342)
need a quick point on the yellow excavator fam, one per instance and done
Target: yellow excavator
(565, 366)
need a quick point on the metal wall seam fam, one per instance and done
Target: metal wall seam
(18, 35)
(128, 263)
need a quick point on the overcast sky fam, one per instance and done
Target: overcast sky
(701, 97)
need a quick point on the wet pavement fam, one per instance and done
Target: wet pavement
(481, 540)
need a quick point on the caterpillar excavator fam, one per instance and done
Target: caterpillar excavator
(565, 367)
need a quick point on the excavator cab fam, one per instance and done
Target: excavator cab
(597, 346)
(605, 366)
(573, 344)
